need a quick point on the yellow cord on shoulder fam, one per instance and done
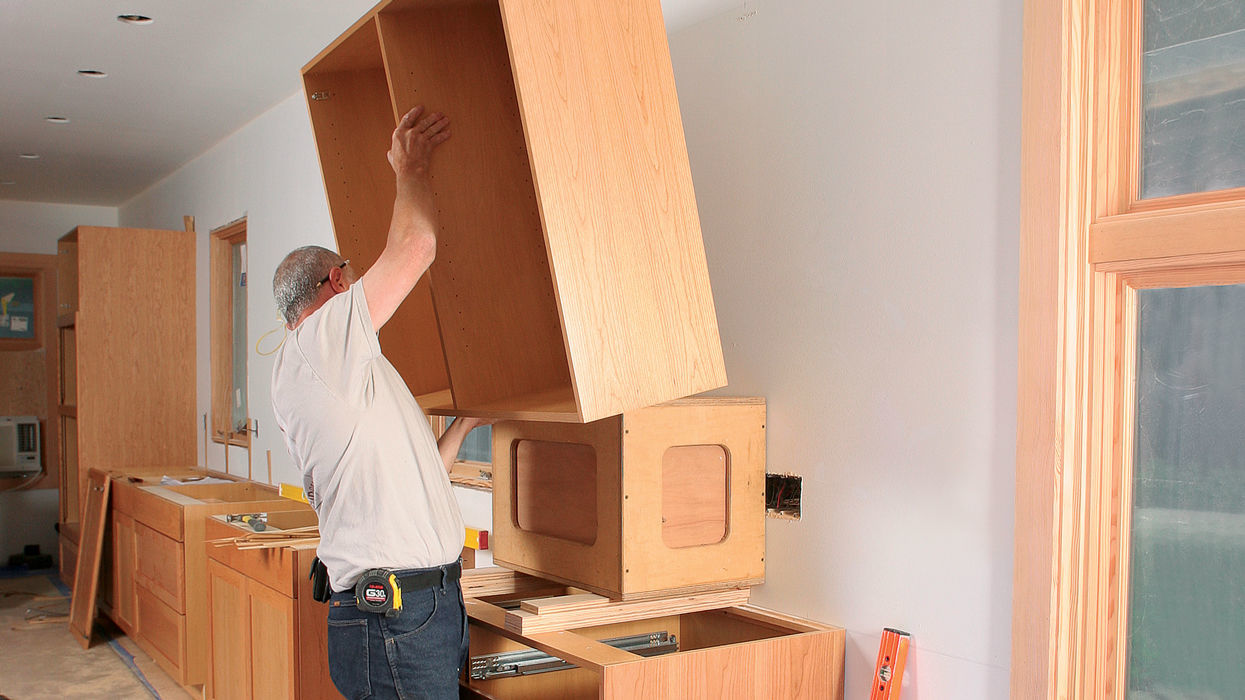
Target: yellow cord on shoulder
(274, 350)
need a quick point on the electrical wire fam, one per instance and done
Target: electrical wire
(285, 335)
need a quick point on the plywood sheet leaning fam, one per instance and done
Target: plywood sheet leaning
(86, 579)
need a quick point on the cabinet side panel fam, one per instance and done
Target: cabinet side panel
(352, 118)
(136, 347)
(801, 667)
(491, 279)
(608, 155)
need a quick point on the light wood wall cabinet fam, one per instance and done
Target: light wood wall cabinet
(658, 501)
(570, 282)
(126, 314)
(268, 636)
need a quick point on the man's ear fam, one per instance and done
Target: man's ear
(337, 279)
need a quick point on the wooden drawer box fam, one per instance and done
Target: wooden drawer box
(570, 280)
(161, 566)
(163, 631)
(659, 500)
(736, 653)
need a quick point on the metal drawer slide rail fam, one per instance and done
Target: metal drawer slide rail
(527, 663)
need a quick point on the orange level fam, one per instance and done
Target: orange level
(892, 655)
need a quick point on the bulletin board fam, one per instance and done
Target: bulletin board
(17, 308)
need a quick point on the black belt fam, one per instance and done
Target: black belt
(427, 578)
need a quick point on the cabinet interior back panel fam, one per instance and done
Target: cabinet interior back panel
(352, 117)
(491, 281)
(607, 150)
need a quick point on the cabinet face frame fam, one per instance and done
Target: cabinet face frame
(1087, 245)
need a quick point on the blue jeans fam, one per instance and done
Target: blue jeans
(417, 654)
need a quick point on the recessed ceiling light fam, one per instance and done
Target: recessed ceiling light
(58, 120)
(134, 19)
(28, 156)
(93, 73)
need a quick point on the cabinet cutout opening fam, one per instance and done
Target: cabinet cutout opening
(782, 496)
(555, 489)
(695, 493)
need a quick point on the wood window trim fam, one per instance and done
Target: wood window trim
(220, 248)
(1087, 245)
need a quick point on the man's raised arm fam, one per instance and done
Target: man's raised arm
(412, 241)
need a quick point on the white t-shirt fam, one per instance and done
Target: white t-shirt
(370, 463)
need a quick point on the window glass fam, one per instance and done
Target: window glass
(238, 414)
(477, 446)
(1193, 97)
(1186, 626)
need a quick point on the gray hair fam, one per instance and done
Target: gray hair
(295, 283)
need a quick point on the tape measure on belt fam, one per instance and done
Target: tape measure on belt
(380, 590)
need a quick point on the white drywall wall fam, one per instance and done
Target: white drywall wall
(857, 173)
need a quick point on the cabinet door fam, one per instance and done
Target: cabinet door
(230, 625)
(123, 563)
(272, 642)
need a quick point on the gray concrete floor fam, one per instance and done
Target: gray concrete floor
(41, 659)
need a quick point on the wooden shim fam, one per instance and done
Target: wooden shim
(494, 580)
(563, 603)
(522, 622)
(86, 576)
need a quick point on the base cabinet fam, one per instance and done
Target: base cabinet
(735, 653)
(267, 635)
(253, 637)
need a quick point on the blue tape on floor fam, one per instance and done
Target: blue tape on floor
(126, 656)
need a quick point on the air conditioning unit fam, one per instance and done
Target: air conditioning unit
(19, 446)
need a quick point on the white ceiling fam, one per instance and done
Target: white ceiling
(175, 87)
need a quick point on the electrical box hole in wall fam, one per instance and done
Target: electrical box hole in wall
(555, 489)
(694, 495)
(782, 496)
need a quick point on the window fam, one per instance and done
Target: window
(230, 419)
(474, 465)
(1128, 472)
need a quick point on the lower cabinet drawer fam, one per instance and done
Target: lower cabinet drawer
(161, 566)
(736, 653)
(162, 633)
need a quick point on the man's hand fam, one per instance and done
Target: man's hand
(412, 241)
(413, 142)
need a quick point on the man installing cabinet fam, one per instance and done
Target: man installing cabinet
(372, 469)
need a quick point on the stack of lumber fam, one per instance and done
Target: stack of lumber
(267, 539)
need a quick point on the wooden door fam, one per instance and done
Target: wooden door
(230, 630)
(124, 562)
(273, 624)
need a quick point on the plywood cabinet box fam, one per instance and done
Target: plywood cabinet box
(736, 653)
(164, 604)
(658, 501)
(570, 282)
(268, 636)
